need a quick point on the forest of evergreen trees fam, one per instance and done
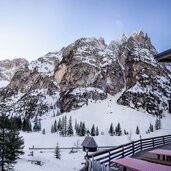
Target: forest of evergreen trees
(64, 127)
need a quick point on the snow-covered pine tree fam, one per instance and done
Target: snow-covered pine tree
(137, 130)
(111, 129)
(93, 133)
(70, 128)
(57, 152)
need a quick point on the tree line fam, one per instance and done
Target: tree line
(64, 127)
(118, 131)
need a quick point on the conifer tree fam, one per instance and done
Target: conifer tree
(87, 132)
(158, 124)
(93, 131)
(111, 129)
(137, 130)
(76, 125)
(125, 132)
(82, 130)
(37, 124)
(59, 126)
(151, 128)
(70, 128)
(97, 131)
(11, 144)
(43, 132)
(52, 129)
(65, 125)
(118, 130)
(26, 126)
(78, 128)
(63, 131)
(57, 152)
(55, 126)
(19, 123)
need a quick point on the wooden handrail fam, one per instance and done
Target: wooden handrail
(129, 148)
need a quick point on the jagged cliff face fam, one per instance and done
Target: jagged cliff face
(9, 67)
(147, 82)
(90, 69)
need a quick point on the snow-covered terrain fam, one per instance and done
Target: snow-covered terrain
(3, 83)
(100, 113)
(87, 80)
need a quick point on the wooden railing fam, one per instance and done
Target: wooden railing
(129, 149)
(65, 148)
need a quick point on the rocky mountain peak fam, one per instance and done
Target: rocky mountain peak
(141, 40)
(89, 69)
(9, 67)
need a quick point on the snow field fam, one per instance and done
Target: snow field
(100, 113)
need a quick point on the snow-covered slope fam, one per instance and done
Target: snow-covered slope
(94, 83)
(4, 83)
(100, 113)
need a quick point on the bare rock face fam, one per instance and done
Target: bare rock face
(88, 63)
(32, 90)
(147, 82)
(75, 98)
(9, 67)
(88, 70)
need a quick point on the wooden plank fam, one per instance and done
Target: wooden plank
(153, 160)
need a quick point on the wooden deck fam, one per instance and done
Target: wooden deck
(143, 154)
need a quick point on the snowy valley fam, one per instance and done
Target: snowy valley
(94, 83)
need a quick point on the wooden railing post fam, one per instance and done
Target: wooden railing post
(163, 140)
(86, 157)
(133, 151)
(153, 142)
(109, 158)
(123, 155)
(141, 144)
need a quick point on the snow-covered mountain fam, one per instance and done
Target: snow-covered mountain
(90, 69)
(8, 69)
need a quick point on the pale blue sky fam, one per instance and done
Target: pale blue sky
(32, 28)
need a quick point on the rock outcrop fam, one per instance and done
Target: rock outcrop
(89, 69)
(9, 67)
